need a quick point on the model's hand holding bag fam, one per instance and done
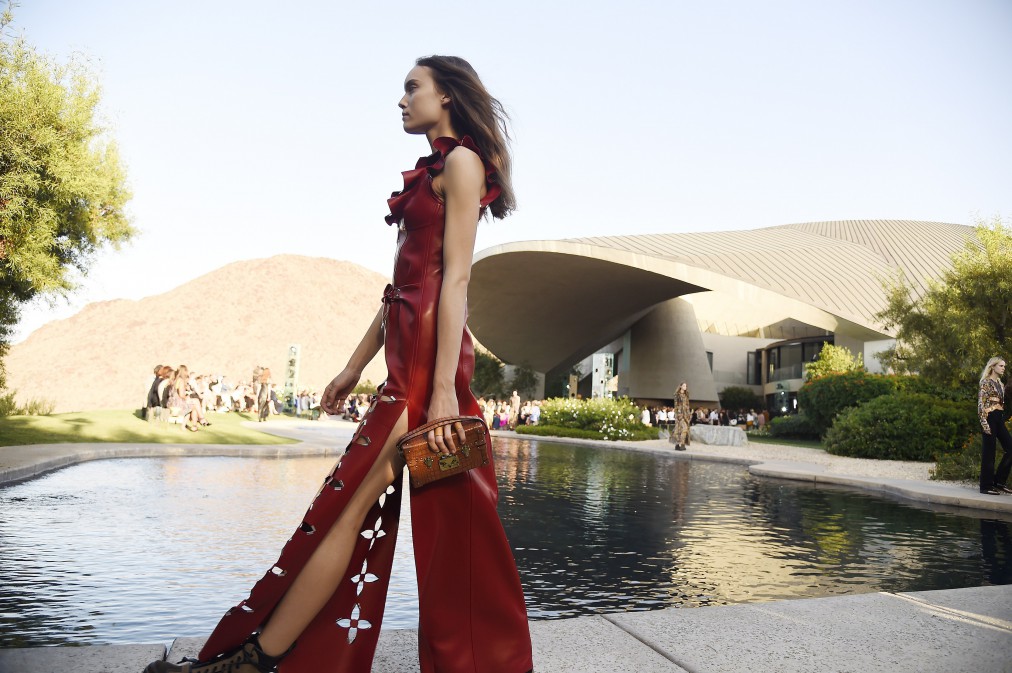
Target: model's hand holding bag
(426, 465)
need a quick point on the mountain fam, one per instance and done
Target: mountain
(225, 322)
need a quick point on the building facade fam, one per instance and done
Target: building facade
(739, 308)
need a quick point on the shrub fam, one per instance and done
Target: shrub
(34, 407)
(740, 397)
(609, 418)
(903, 426)
(793, 425)
(8, 406)
(964, 464)
(37, 407)
(822, 399)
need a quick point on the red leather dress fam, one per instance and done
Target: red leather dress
(472, 617)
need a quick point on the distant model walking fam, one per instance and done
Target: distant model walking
(991, 409)
(683, 414)
(264, 395)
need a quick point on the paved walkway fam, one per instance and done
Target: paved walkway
(953, 631)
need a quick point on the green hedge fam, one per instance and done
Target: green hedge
(793, 425)
(822, 399)
(903, 426)
(558, 431)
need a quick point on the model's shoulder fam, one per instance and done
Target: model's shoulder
(463, 158)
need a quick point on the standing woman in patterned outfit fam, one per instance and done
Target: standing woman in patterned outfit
(319, 608)
(991, 409)
(683, 415)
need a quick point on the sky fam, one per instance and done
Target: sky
(255, 128)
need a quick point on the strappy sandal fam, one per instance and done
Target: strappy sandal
(247, 658)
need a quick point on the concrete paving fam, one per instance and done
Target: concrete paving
(951, 631)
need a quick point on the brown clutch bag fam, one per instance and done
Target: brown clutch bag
(426, 466)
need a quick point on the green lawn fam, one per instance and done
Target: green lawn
(125, 426)
(786, 441)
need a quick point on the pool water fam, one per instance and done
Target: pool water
(144, 550)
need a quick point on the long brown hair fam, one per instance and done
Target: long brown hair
(474, 112)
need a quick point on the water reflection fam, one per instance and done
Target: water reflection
(143, 550)
(611, 530)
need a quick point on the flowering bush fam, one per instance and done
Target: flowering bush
(609, 418)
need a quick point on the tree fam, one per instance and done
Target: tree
(962, 320)
(734, 398)
(524, 381)
(488, 376)
(833, 360)
(62, 187)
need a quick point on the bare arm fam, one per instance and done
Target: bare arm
(342, 385)
(463, 178)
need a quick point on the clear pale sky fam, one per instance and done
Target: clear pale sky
(254, 128)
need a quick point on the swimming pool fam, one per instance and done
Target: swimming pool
(143, 550)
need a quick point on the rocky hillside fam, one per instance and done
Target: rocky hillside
(226, 322)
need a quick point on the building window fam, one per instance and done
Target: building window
(753, 367)
(709, 359)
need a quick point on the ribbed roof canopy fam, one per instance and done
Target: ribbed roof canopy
(549, 303)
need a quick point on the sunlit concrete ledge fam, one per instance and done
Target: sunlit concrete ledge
(18, 463)
(311, 438)
(950, 631)
(933, 492)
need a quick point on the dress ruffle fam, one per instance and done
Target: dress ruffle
(433, 165)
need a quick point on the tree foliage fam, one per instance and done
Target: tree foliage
(962, 320)
(488, 379)
(524, 381)
(740, 397)
(62, 186)
(833, 360)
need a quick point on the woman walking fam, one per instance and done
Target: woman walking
(991, 409)
(682, 416)
(319, 608)
(264, 395)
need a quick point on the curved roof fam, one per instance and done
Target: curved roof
(549, 303)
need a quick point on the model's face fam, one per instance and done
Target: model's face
(423, 105)
(999, 369)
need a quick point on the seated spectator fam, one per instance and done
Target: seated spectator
(535, 414)
(153, 404)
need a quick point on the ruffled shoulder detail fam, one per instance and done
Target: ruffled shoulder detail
(433, 165)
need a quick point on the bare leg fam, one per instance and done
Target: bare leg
(325, 568)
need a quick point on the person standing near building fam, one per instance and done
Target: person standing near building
(991, 410)
(515, 408)
(683, 415)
